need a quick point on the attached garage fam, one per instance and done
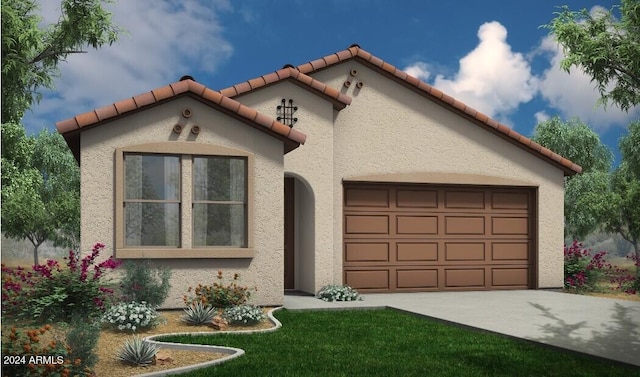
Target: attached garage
(419, 237)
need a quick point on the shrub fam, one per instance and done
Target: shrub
(51, 293)
(243, 315)
(131, 316)
(137, 352)
(144, 282)
(220, 295)
(626, 282)
(82, 339)
(199, 314)
(334, 292)
(22, 347)
(581, 269)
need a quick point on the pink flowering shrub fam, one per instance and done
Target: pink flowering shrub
(581, 269)
(50, 292)
(628, 283)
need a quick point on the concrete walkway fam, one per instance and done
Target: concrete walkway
(598, 326)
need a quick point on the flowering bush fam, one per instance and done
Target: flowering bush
(25, 349)
(51, 293)
(220, 295)
(334, 292)
(244, 315)
(581, 269)
(131, 316)
(628, 283)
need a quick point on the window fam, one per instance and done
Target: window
(219, 201)
(183, 200)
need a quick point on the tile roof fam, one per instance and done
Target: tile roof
(339, 100)
(69, 128)
(301, 72)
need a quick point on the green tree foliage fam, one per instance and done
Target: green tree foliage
(31, 53)
(41, 201)
(630, 148)
(605, 48)
(584, 193)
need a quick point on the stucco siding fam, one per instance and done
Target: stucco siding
(312, 166)
(390, 129)
(154, 125)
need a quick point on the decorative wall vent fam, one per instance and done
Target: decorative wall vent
(285, 111)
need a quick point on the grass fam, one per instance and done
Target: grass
(390, 343)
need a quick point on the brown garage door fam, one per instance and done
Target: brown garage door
(434, 238)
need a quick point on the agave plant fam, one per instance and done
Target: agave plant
(199, 314)
(137, 352)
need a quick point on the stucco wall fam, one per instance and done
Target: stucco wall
(390, 129)
(155, 125)
(312, 166)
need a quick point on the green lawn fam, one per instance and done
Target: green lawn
(390, 343)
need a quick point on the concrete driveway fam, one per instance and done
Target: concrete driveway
(598, 326)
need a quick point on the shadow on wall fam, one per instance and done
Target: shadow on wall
(621, 337)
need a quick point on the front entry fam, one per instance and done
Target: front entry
(289, 232)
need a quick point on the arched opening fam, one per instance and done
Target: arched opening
(299, 234)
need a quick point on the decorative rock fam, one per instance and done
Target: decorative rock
(163, 358)
(219, 323)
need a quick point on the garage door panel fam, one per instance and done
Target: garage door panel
(467, 251)
(501, 251)
(419, 252)
(416, 198)
(510, 277)
(368, 279)
(367, 224)
(464, 199)
(417, 278)
(367, 252)
(366, 197)
(510, 225)
(464, 278)
(474, 225)
(410, 237)
(510, 200)
(417, 225)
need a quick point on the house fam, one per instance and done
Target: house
(341, 170)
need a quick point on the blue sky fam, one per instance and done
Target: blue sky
(490, 54)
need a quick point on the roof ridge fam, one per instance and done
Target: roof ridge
(340, 100)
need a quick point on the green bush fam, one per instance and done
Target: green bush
(334, 292)
(244, 315)
(82, 339)
(220, 294)
(131, 316)
(144, 282)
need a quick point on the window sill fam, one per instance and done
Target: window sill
(169, 253)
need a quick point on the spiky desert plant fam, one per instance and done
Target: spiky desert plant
(137, 352)
(198, 314)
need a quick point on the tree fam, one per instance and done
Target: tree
(605, 48)
(630, 148)
(584, 193)
(42, 202)
(31, 54)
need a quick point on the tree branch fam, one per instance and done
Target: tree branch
(47, 54)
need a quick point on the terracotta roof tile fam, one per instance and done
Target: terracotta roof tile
(163, 93)
(355, 52)
(86, 119)
(106, 112)
(339, 100)
(318, 64)
(125, 105)
(297, 136)
(69, 127)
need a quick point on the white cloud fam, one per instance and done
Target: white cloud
(492, 78)
(574, 95)
(164, 40)
(419, 70)
(541, 116)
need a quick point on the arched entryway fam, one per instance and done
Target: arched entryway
(299, 234)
